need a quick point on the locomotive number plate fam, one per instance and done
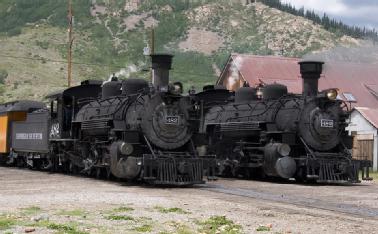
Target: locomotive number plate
(326, 123)
(172, 120)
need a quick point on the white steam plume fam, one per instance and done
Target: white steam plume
(366, 52)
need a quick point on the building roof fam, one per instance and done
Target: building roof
(360, 80)
(369, 114)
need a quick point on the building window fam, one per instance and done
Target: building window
(349, 97)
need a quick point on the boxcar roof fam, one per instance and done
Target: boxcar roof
(21, 105)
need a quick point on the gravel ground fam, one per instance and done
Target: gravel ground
(54, 203)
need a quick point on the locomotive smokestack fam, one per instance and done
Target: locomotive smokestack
(161, 64)
(310, 71)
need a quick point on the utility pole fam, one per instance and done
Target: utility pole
(70, 42)
(152, 46)
(152, 41)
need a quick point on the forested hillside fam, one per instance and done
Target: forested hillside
(109, 37)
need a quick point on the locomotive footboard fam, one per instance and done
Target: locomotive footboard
(333, 171)
(177, 171)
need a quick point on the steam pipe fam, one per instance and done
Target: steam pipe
(310, 71)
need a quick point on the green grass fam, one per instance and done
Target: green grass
(76, 212)
(183, 230)
(7, 222)
(171, 210)
(123, 209)
(180, 228)
(119, 217)
(65, 228)
(263, 229)
(31, 210)
(374, 175)
(219, 225)
(144, 228)
(60, 228)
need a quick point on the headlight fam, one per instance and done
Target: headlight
(126, 148)
(332, 94)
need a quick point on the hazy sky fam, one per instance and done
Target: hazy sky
(352, 12)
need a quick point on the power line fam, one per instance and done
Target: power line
(96, 64)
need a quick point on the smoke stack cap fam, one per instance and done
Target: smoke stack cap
(314, 67)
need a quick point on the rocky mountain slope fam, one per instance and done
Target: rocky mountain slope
(110, 36)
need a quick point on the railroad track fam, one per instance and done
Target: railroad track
(354, 210)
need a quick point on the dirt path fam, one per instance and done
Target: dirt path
(54, 203)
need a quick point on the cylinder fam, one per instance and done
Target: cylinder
(161, 64)
(277, 162)
(310, 71)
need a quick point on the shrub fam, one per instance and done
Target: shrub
(14, 32)
(3, 76)
(43, 44)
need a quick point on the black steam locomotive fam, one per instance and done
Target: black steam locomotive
(278, 134)
(131, 130)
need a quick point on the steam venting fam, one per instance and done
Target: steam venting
(310, 71)
(233, 79)
(161, 64)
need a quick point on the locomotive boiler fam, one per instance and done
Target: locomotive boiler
(283, 135)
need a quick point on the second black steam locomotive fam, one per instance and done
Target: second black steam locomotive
(278, 134)
(130, 129)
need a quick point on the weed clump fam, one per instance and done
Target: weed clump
(171, 210)
(65, 228)
(263, 229)
(31, 210)
(123, 209)
(6, 222)
(219, 225)
(144, 228)
(76, 212)
(119, 217)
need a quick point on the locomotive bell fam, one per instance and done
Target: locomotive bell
(310, 71)
(161, 64)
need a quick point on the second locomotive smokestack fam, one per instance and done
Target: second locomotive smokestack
(310, 71)
(161, 64)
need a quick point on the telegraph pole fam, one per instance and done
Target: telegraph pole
(70, 42)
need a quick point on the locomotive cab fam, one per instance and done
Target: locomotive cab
(65, 104)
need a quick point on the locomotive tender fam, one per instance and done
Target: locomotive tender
(131, 130)
(280, 134)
